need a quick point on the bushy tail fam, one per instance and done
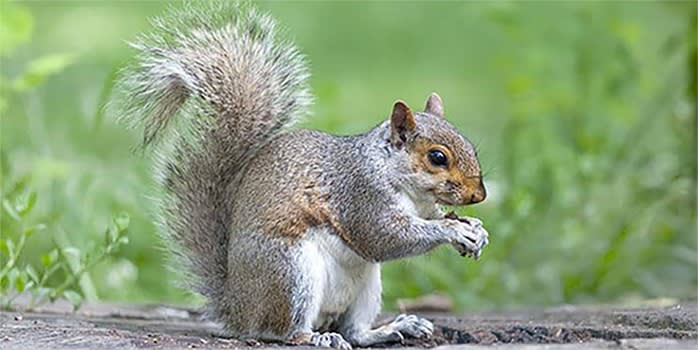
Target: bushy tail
(210, 86)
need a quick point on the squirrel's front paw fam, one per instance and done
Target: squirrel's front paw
(470, 236)
(412, 326)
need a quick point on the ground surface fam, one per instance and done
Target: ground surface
(105, 326)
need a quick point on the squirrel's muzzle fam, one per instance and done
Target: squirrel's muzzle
(475, 193)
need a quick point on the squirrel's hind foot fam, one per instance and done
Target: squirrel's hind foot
(327, 339)
(331, 340)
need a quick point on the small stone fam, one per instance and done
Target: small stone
(18, 317)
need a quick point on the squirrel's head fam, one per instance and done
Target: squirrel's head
(440, 162)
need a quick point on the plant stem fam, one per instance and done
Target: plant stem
(13, 257)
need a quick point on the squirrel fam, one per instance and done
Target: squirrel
(283, 230)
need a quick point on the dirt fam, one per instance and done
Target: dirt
(568, 325)
(108, 326)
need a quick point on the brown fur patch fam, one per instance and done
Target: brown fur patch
(306, 208)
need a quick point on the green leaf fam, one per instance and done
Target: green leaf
(122, 221)
(71, 254)
(18, 185)
(40, 69)
(16, 24)
(4, 249)
(74, 298)
(27, 204)
(14, 272)
(45, 260)
(20, 282)
(49, 258)
(4, 161)
(29, 270)
(10, 210)
(31, 230)
(10, 245)
(123, 240)
(4, 282)
(54, 255)
(91, 251)
(111, 234)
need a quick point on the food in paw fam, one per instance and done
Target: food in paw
(477, 226)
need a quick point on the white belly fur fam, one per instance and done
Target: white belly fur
(337, 273)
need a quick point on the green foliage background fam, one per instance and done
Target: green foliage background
(584, 113)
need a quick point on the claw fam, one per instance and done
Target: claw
(401, 337)
(425, 330)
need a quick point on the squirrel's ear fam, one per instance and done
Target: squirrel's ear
(434, 105)
(401, 123)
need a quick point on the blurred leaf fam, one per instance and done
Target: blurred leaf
(74, 298)
(12, 274)
(17, 185)
(10, 246)
(20, 282)
(25, 205)
(31, 230)
(9, 208)
(4, 282)
(123, 240)
(4, 249)
(4, 163)
(32, 273)
(50, 258)
(16, 24)
(40, 69)
(72, 255)
(122, 221)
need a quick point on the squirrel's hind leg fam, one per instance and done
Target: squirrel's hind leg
(357, 322)
(309, 288)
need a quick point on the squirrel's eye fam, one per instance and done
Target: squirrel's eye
(437, 158)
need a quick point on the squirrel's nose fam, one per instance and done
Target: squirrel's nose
(478, 195)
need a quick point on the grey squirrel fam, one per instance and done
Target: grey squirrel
(282, 230)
